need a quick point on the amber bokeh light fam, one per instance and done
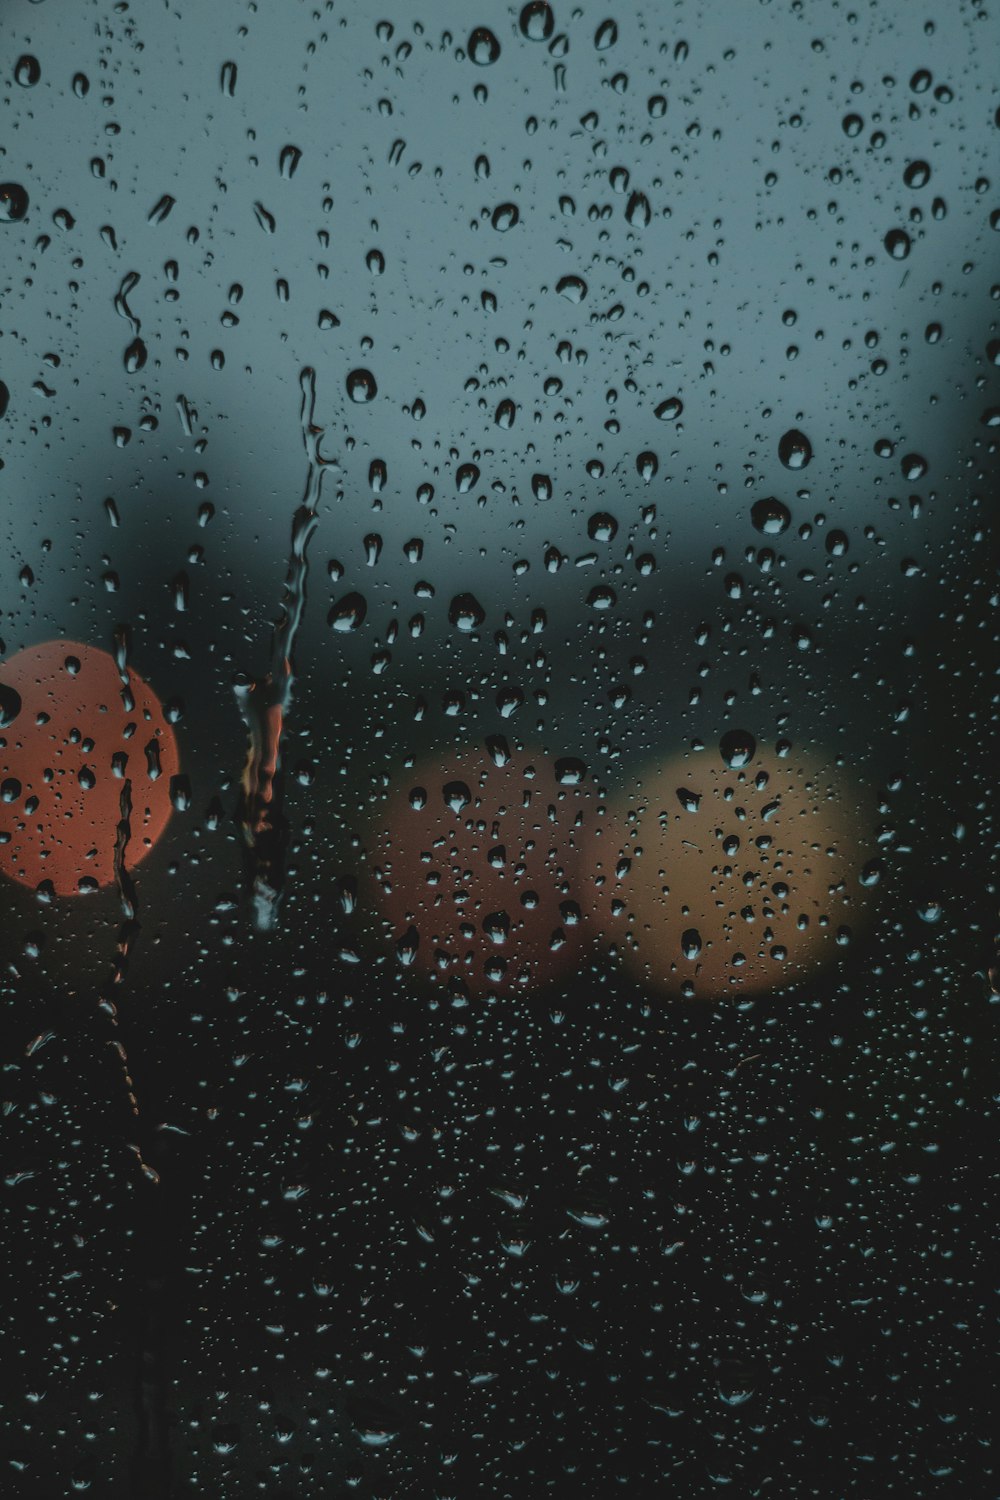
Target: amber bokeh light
(715, 881)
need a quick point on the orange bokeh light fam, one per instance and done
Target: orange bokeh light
(66, 753)
(478, 879)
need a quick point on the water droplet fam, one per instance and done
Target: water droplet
(505, 414)
(897, 242)
(180, 793)
(498, 749)
(456, 795)
(669, 410)
(27, 71)
(737, 748)
(504, 217)
(795, 449)
(10, 705)
(638, 211)
(227, 79)
(407, 946)
(770, 517)
(570, 770)
(348, 613)
(602, 527)
(917, 174)
(361, 386)
(691, 943)
(13, 202)
(541, 486)
(483, 48)
(378, 474)
(288, 161)
(264, 218)
(647, 465)
(537, 21)
(161, 209)
(465, 612)
(4, 399)
(913, 467)
(606, 35)
(735, 1386)
(135, 356)
(466, 475)
(573, 288)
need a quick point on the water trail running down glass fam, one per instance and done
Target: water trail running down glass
(265, 701)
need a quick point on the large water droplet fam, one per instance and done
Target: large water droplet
(897, 242)
(691, 943)
(573, 288)
(483, 47)
(348, 613)
(289, 160)
(465, 612)
(795, 449)
(361, 386)
(570, 770)
(669, 410)
(737, 748)
(537, 21)
(27, 71)
(13, 202)
(135, 356)
(770, 517)
(504, 217)
(456, 795)
(10, 705)
(466, 475)
(602, 527)
(638, 211)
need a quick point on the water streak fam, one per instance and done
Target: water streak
(264, 701)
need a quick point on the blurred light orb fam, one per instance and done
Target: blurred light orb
(68, 748)
(475, 864)
(717, 880)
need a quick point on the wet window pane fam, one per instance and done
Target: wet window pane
(497, 692)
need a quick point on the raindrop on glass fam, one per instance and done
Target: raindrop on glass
(361, 386)
(795, 449)
(483, 48)
(737, 748)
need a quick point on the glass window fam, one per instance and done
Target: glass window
(497, 783)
